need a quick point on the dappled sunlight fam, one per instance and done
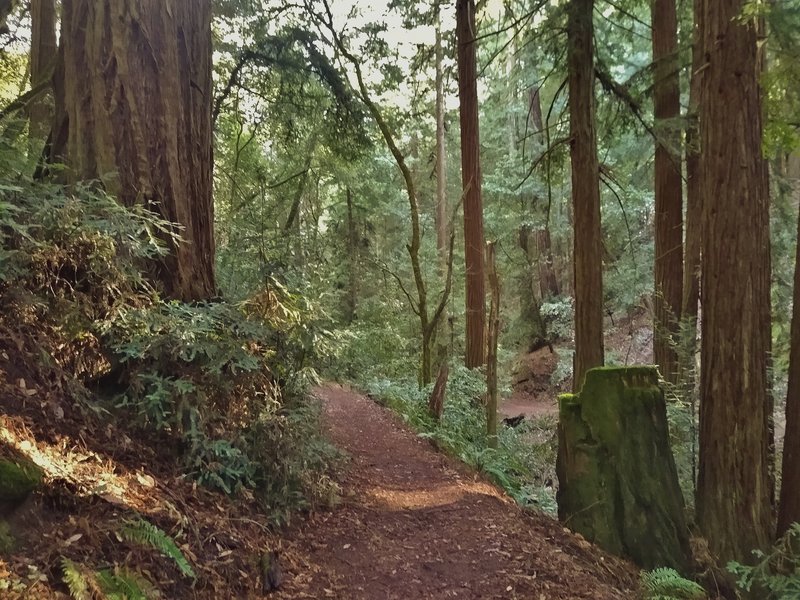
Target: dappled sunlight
(92, 474)
(429, 497)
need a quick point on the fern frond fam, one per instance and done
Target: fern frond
(75, 580)
(668, 584)
(121, 585)
(145, 533)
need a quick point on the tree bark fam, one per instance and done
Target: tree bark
(44, 50)
(442, 225)
(734, 485)
(134, 110)
(668, 187)
(548, 280)
(588, 251)
(493, 336)
(618, 484)
(352, 257)
(694, 184)
(789, 509)
(471, 182)
(441, 213)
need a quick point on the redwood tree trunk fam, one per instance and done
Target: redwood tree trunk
(668, 186)
(588, 250)
(135, 108)
(789, 511)
(471, 181)
(44, 49)
(734, 483)
(548, 280)
(694, 185)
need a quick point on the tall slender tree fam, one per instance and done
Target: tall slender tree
(789, 510)
(133, 109)
(694, 184)
(668, 185)
(471, 182)
(588, 251)
(734, 487)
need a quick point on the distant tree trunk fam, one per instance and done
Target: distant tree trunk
(442, 223)
(6, 8)
(530, 307)
(352, 258)
(668, 186)
(588, 251)
(548, 280)
(134, 110)
(789, 510)
(44, 50)
(734, 485)
(471, 181)
(493, 335)
(694, 186)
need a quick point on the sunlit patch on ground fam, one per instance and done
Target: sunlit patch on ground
(429, 497)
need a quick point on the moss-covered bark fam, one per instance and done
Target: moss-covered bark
(18, 478)
(618, 485)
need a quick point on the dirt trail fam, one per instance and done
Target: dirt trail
(415, 524)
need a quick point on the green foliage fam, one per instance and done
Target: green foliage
(668, 584)
(145, 533)
(105, 584)
(75, 579)
(119, 584)
(775, 574)
(196, 370)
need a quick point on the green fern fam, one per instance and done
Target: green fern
(145, 533)
(122, 585)
(667, 584)
(75, 580)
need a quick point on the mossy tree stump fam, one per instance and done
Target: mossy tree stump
(19, 477)
(618, 485)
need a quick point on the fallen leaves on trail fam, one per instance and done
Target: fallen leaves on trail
(416, 524)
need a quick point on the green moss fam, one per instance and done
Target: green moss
(18, 478)
(617, 477)
(7, 541)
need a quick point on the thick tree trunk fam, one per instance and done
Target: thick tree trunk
(618, 485)
(135, 112)
(789, 510)
(734, 485)
(588, 251)
(668, 186)
(44, 50)
(471, 181)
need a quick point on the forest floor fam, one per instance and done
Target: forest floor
(416, 524)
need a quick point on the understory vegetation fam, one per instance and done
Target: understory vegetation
(220, 390)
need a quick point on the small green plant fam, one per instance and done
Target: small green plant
(776, 574)
(121, 584)
(668, 584)
(145, 533)
(76, 580)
